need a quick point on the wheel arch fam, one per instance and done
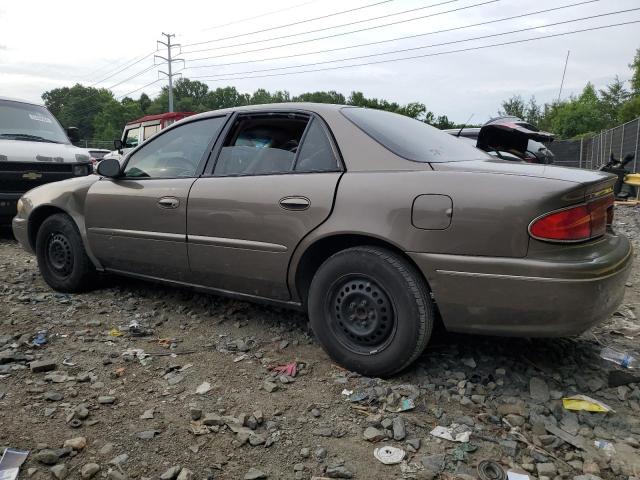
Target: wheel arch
(321, 249)
(39, 214)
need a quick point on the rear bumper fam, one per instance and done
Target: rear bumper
(558, 294)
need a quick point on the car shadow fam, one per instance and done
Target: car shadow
(6, 233)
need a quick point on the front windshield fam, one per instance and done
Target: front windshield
(27, 122)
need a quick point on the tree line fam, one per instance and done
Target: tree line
(99, 115)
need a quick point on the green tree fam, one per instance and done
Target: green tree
(612, 98)
(514, 106)
(635, 79)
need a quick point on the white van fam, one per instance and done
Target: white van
(34, 150)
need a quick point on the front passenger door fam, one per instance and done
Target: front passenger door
(137, 223)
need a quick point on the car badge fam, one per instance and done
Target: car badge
(31, 176)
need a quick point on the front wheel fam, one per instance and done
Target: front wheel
(62, 259)
(371, 310)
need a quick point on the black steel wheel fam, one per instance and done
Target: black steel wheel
(59, 254)
(62, 259)
(371, 310)
(361, 312)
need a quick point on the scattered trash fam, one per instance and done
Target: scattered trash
(10, 463)
(40, 339)
(490, 470)
(114, 332)
(289, 369)
(68, 362)
(459, 453)
(588, 404)
(453, 433)
(143, 358)
(402, 406)
(203, 388)
(240, 358)
(120, 371)
(347, 392)
(511, 475)
(389, 455)
(607, 447)
(621, 358)
(618, 378)
(357, 397)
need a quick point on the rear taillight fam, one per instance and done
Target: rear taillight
(575, 224)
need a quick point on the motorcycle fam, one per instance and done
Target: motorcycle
(621, 190)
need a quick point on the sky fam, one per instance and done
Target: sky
(68, 42)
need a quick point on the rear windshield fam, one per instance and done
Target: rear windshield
(409, 138)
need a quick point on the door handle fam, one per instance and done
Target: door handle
(168, 202)
(295, 203)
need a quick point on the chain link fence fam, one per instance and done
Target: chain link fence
(103, 144)
(595, 151)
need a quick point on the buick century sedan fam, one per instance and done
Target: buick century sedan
(375, 224)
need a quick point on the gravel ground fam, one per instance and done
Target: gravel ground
(206, 401)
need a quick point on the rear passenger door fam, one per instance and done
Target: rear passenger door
(270, 181)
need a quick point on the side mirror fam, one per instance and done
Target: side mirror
(74, 134)
(118, 145)
(109, 167)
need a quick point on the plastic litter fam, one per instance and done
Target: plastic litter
(389, 455)
(453, 433)
(511, 475)
(114, 332)
(10, 463)
(203, 388)
(621, 358)
(490, 470)
(68, 362)
(357, 397)
(347, 392)
(40, 339)
(607, 447)
(290, 369)
(402, 406)
(585, 403)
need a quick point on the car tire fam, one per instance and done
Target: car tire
(371, 310)
(62, 259)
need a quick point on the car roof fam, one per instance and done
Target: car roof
(18, 100)
(318, 108)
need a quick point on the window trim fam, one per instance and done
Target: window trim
(203, 160)
(215, 153)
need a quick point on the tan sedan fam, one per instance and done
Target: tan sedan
(375, 224)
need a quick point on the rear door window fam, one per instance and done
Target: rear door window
(316, 153)
(410, 139)
(261, 144)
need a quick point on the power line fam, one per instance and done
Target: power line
(413, 57)
(403, 50)
(300, 22)
(273, 12)
(131, 77)
(342, 25)
(123, 69)
(392, 39)
(120, 97)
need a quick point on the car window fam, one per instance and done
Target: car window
(150, 130)
(175, 153)
(261, 144)
(27, 122)
(316, 154)
(410, 139)
(131, 137)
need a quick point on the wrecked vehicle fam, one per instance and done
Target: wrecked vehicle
(34, 150)
(509, 138)
(375, 224)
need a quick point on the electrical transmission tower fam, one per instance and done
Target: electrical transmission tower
(169, 60)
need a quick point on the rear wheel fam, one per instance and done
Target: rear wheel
(62, 259)
(371, 310)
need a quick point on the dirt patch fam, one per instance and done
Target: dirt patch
(140, 413)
